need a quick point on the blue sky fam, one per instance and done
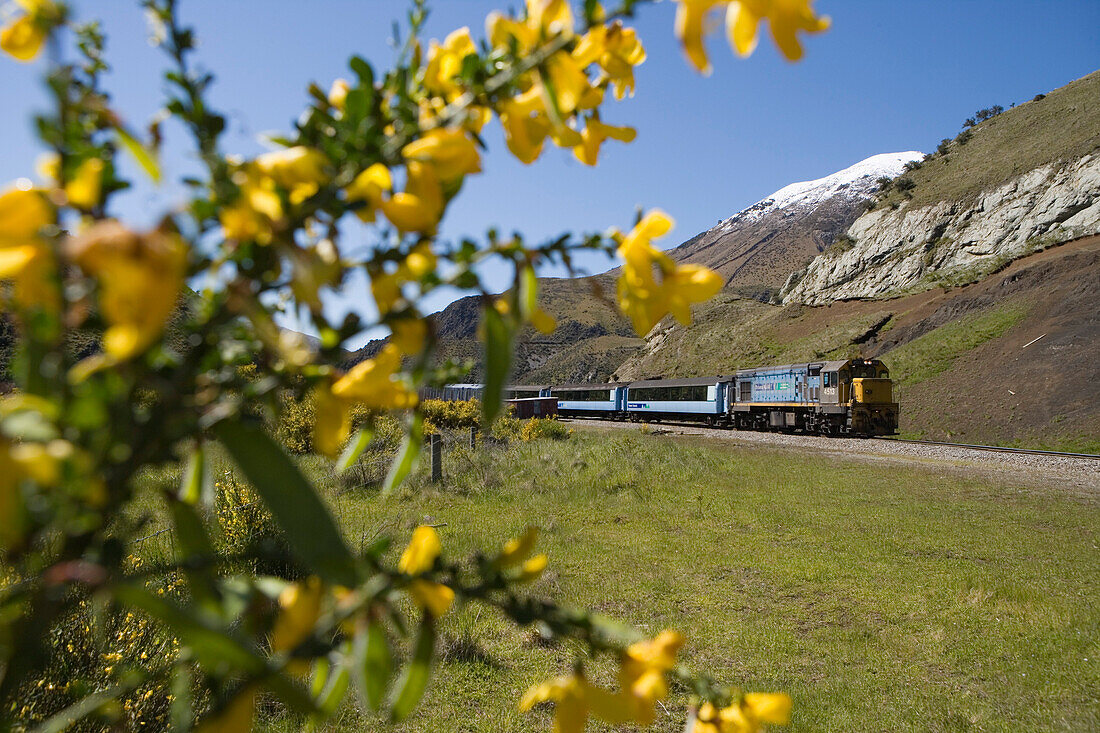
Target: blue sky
(888, 76)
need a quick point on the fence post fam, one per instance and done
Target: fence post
(437, 458)
(473, 437)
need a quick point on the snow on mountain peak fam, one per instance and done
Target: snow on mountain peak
(859, 179)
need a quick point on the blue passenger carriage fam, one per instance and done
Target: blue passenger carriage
(591, 400)
(700, 398)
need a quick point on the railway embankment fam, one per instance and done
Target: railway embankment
(1080, 475)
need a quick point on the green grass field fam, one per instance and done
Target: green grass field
(882, 597)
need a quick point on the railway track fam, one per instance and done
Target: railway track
(995, 448)
(932, 443)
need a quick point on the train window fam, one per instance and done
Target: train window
(670, 394)
(828, 381)
(584, 395)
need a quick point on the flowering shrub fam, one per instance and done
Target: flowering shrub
(544, 427)
(385, 152)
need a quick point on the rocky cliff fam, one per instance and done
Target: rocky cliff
(894, 251)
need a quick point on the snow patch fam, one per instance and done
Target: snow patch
(858, 180)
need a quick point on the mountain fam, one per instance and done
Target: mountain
(756, 249)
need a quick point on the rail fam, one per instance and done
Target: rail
(996, 448)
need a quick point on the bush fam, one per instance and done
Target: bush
(904, 183)
(544, 427)
(248, 528)
(452, 414)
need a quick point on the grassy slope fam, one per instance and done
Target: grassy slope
(880, 597)
(1064, 125)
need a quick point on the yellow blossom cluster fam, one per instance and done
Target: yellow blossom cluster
(749, 715)
(644, 298)
(268, 185)
(642, 681)
(785, 18)
(554, 96)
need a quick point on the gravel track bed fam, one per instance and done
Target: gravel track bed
(1064, 472)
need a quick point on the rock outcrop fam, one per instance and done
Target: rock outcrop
(894, 251)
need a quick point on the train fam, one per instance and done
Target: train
(852, 397)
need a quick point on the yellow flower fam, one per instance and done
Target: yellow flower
(641, 297)
(436, 598)
(595, 132)
(420, 261)
(747, 716)
(299, 170)
(569, 81)
(501, 30)
(445, 63)
(423, 549)
(525, 125)
(24, 255)
(786, 18)
(543, 321)
(450, 152)
(617, 50)
(331, 422)
(300, 607)
(552, 17)
(532, 570)
(642, 672)
(373, 384)
(574, 700)
(690, 17)
(86, 186)
(368, 187)
(140, 277)
(419, 207)
(409, 335)
(23, 37)
(338, 93)
(517, 549)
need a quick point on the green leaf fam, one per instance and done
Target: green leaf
(197, 485)
(405, 460)
(498, 362)
(375, 663)
(144, 157)
(194, 545)
(528, 292)
(363, 70)
(414, 678)
(354, 449)
(334, 691)
(311, 530)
